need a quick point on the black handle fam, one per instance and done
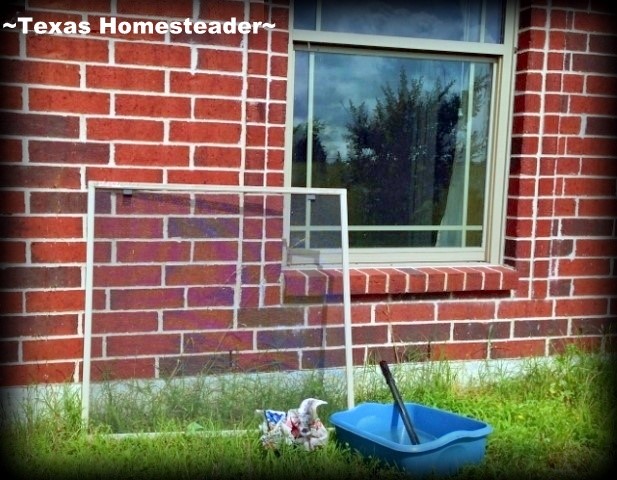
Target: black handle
(398, 401)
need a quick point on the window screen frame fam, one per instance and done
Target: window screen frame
(502, 55)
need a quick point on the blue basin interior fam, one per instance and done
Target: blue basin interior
(447, 440)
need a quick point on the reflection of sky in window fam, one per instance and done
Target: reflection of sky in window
(443, 19)
(341, 78)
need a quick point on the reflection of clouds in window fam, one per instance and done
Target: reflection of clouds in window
(343, 78)
(379, 18)
(301, 88)
(446, 19)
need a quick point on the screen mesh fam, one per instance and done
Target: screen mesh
(195, 320)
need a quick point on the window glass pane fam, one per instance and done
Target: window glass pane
(315, 239)
(301, 104)
(493, 32)
(298, 210)
(474, 239)
(315, 221)
(304, 14)
(460, 20)
(324, 210)
(391, 239)
(406, 136)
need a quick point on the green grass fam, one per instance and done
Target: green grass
(555, 420)
(225, 402)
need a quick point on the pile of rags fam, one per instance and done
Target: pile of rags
(299, 426)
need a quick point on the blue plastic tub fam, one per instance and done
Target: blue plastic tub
(447, 440)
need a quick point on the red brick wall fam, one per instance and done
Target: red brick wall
(211, 110)
(562, 200)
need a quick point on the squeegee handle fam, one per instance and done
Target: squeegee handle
(385, 370)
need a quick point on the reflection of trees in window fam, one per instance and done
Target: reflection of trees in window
(401, 156)
(324, 172)
(300, 150)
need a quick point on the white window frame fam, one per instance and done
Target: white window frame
(503, 59)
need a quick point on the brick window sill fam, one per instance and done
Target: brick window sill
(392, 280)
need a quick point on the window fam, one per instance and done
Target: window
(406, 104)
